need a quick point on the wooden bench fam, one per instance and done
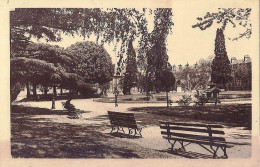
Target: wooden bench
(199, 103)
(201, 134)
(120, 120)
(72, 114)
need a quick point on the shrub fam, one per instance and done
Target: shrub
(185, 101)
(201, 98)
(86, 89)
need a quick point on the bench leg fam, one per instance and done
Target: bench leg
(182, 146)
(118, 129)
(130, 131)
(225, 151)
(113, 128)
(215, 152)
(139, 131)
(172, 145)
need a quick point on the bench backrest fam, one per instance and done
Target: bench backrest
(122, 119)
(192, 132)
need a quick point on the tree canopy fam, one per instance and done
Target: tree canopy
(234, 16)
(91, 62)
(112, 25)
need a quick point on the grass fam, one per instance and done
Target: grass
(228, 114)
(174, 96)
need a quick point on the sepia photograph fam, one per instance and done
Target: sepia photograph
(172, 82)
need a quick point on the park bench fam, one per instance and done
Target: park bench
(201, 134)
(72, 114)
(120, 120)
(201, 103)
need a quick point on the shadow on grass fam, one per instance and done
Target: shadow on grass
(230, 115)
(41, 138)
(124, 135)
(191, 155)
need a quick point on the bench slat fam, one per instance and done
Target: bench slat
(192, 129)
(190, 124)
(218, 144)
(192, 136)
(122, 119)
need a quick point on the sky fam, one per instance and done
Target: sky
(186, 44)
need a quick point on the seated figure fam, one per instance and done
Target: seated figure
(69, 106)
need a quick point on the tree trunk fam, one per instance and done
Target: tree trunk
(34, 90)
(54, 91)
(45, 91)
(28, 89)
(167, 99)
(53, 102)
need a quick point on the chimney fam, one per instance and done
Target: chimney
(246, 58)
(233, 59)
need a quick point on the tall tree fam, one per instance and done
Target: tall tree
(221, 69)
(168, 82)
(131, 69)
(157, 57)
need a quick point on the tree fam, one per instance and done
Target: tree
(157, 57)
(221, 69)
(113, 25)
(131, 69)
(168, 82)
(24, 70)
(91, 62)
(237, 17)
(244, 73)
(55, 81)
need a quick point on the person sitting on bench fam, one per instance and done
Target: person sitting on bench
(69, 106)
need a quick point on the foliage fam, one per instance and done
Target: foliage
(235, 16)
(157, 57)
(244, 73)
(86, 89)
(117, 26)
(91, 62)
(131, 70)
(16, 88)
(221, 69)
(32, 70)
(112, 25)
(167, 80)
(201, 98)
(104, 88)
(195, 76)
(185, 101)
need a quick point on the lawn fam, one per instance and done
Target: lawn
(228, 114)
(174, 96)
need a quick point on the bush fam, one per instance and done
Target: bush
(86, 89)
(201, 98)
(185, 101)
